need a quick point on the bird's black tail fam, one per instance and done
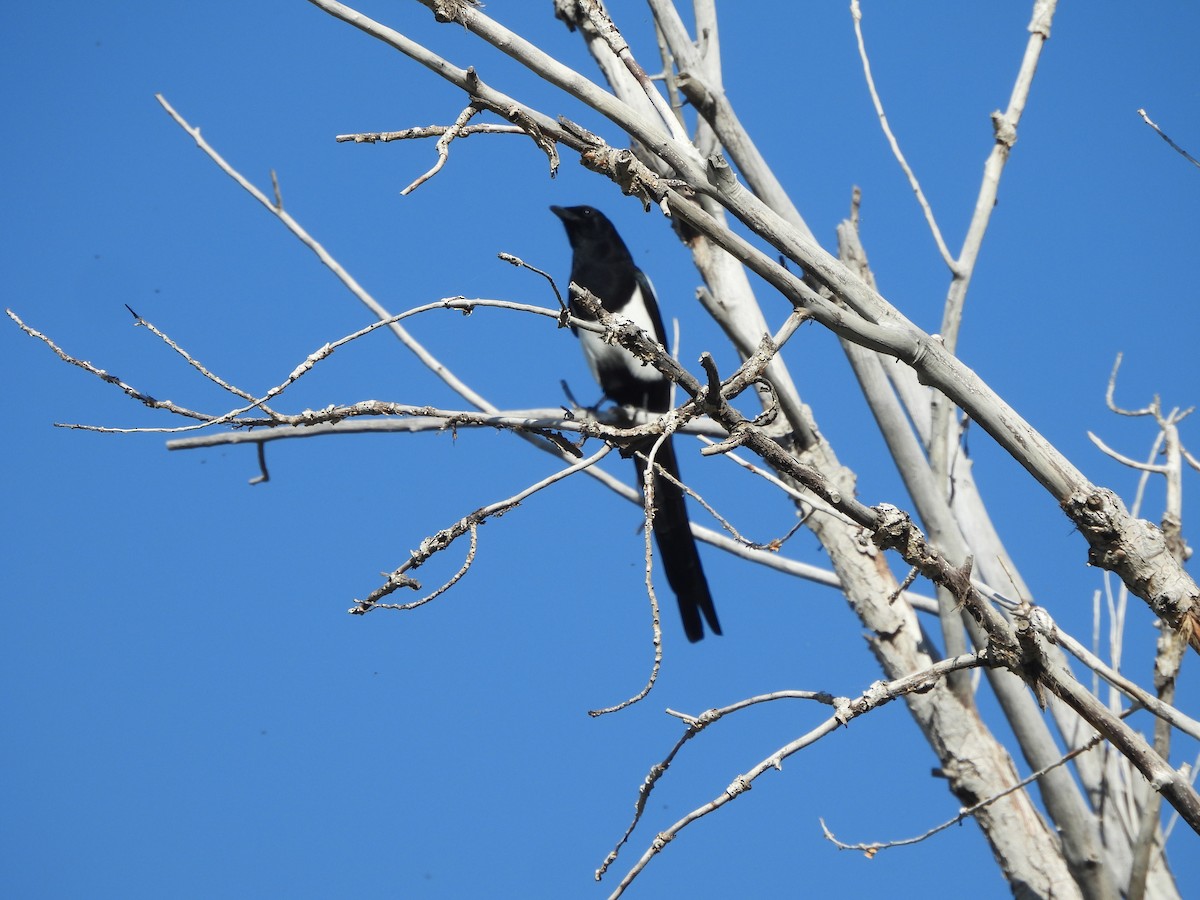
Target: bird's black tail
(677, 547)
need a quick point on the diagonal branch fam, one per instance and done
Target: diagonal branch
(846, 710)
(1174, 146)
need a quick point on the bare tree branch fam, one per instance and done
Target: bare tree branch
(1162, 134)
(856, 14)
(877, 695)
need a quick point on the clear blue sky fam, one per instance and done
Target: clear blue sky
(188, 709)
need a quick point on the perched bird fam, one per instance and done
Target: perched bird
(601, 263)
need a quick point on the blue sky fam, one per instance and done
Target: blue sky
(189, 710)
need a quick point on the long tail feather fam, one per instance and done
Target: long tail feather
(677, 547)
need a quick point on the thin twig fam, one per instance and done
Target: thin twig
(1162, 134)
(773, 544)
(351, 284)
(875, 696)
(427, 131)
(914, 183)
(521, 264)
(1139, 695)
(648, 551)
(443, 146)
(871, 849)
(129, 390)
(1004, 125)
(435, 543)
(192, 361)
(694, 725)
(454, 579)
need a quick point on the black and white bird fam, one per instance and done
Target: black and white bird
(602, 264)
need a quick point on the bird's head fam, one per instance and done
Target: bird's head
(589, 230)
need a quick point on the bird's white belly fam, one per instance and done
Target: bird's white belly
(601, 354)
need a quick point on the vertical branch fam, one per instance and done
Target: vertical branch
(941, 439)
(1005, 127)
(709, 41)
(1080, 837)
(607, 30)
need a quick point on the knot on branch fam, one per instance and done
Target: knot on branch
(1034, 629)
(705, 719)
(435, 543)
(398, 580)
(1005, 129)
(1094, 513)
(452, 10)
(1136, 550)
(843, 710)
(720, 174)
(894, 530)
(634, 178)
(1029, 619)
(1043, 14)
(739, 785)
